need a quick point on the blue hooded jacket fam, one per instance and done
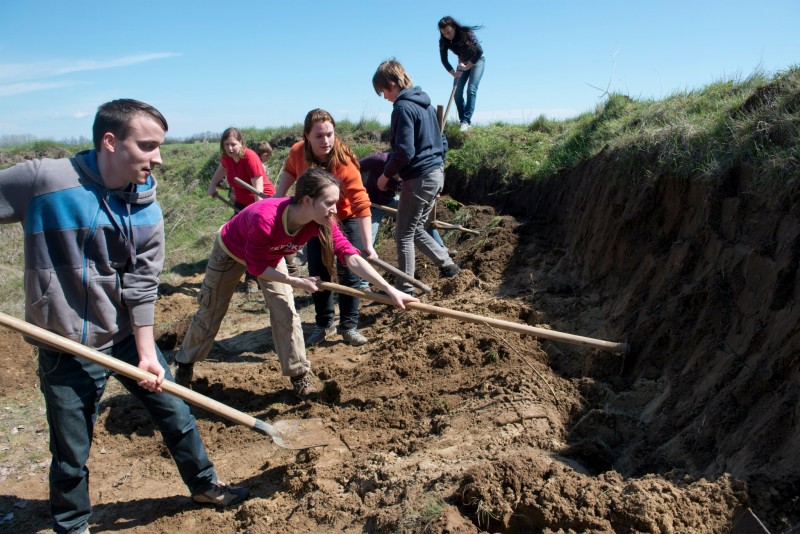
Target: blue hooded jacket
(418, 146)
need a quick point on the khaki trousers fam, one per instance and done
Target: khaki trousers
(222, 276)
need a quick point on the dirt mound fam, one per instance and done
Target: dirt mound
(441, 426)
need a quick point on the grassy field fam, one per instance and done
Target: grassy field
(697, 134)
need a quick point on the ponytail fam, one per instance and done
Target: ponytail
(326, 244)
(311, 184)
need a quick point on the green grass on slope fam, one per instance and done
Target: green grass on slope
(697, 134)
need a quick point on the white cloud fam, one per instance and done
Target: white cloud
(52, 68)
(16, 78)
(29, 87)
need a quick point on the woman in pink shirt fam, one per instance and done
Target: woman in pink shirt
(256, 240)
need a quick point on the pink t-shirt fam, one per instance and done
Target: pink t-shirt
(245, 169)
(257, 236)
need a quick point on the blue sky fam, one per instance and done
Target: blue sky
(210, 65)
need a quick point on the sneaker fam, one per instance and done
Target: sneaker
(353, 337)
(319, 334)
(184, 372)
(304, 385)
(450, 271)
(252, 285)
(220, 494)
(464, 126)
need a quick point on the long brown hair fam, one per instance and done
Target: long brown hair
(311, 184)
(236, 134)
(340, 152)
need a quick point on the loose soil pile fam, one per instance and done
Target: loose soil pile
(439, 426)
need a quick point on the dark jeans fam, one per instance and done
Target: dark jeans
(72, 388)
(323, 300)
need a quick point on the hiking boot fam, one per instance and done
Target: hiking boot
(353, 337)
(304, 385)
(319, 334)
(252, 286)
(184, 372)
(450, 271)
(220, 494)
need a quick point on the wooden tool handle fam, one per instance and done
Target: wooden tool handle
(67, 345)
(479, 319)
(397, 272)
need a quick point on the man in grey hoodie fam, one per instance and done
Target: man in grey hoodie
(417, 162)
(94, 246)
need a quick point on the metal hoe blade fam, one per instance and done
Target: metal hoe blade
(296, 434)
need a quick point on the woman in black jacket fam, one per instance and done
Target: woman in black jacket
(462, 42)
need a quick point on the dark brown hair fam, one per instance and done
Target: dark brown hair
(311, 184)
(263, 147)
(236, 134)
(116, 117)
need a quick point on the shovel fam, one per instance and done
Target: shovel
(226, 201)
(544, 333)
(289, 434)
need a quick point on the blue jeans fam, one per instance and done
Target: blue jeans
(72, 388)
(377, 217)
(417, 196)
(323, 300)
(469, 79)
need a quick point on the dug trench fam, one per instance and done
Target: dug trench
(439, 426)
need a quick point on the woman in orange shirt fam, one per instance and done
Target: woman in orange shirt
(321, 147)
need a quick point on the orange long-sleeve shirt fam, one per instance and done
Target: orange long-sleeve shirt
(354, 201)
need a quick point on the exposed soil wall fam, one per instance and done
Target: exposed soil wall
(702, 281)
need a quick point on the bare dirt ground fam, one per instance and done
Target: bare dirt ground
(435, 426)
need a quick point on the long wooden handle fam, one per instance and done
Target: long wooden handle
(67, 345)
(435, 224)
(449, 103)
(447, 226)
(610, 346)
(250, 187)
(397, 272)
(228, 202)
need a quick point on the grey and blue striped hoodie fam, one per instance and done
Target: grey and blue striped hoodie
(92, 255)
